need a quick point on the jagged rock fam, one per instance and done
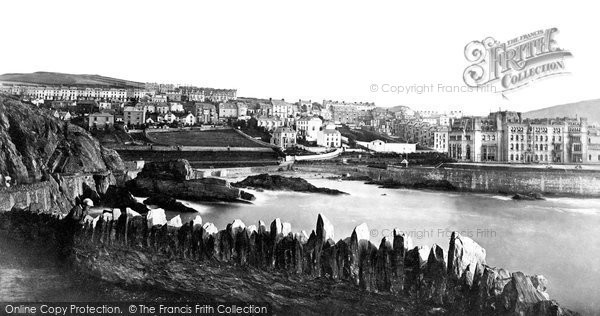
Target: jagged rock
(178, 170)
(324, 228)
(156, 217)
(520, 296)
(302, 237)
(237, 226)
(175, 222)
(117, 197)
(540, 283)
(247, 196)
(168, 203)
(34, 143)
(286, 228)
(277, 182)
(276, 228)
(433, 287)
(464, 254)
(262, 227)
(362, 232)
(131, 213)
(197, 222)
(210, 229)
(206, 189)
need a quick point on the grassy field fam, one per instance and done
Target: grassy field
(56, 78)
(212, 138)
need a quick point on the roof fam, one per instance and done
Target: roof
(132, 109)
(205, 105)
(309, 118)
(101, 114)
(280, 103)
(331, 131)
(284, 129)
(227, 105)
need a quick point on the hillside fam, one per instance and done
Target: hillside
(33, 143)
(589, 109)
(56, 78)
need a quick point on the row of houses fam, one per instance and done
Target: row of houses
(327, 136)
(150, 93)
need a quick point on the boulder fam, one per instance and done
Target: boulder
(324, 228)
(281, 183)
(519, 296)
(168, 203)
(206, 189)
(464, 254)
(179, 170)
(156, 217)
(175, 222)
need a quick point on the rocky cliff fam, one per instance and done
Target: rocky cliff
(34, 144)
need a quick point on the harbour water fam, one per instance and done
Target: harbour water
(558, 237)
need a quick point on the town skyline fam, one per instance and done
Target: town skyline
(336, 52)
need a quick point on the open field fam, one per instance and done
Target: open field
(206, 158)
(211, 138)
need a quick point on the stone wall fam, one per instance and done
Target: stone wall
(125, 248)
(490, 179)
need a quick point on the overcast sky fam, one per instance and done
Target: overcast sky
(307, 49)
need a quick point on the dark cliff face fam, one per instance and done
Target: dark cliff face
(32, 143)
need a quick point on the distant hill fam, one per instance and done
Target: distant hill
(589, 109)
(57, 78)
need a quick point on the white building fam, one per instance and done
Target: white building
(440, 139)
(269, 123)
(308, 127)
(284, 137)
(383, 147)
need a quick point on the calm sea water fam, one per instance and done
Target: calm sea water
(558, 238)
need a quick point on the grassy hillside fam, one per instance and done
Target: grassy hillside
(589, 109)
(56, 78)
(210, 138)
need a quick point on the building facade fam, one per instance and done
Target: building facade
(308, 128)
(284, 137)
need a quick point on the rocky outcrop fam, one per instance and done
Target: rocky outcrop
(118, 197)
(168, 203)
(277, 182)
(441, 185)
(179, 170)
(528, 196)
(177, 180)
(288, 270)
(33, 145)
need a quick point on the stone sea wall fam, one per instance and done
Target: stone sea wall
(124, 248)
(504, 180)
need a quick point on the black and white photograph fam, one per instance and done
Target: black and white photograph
(263, 157)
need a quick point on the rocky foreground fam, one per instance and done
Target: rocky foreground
(294, 272)
(280, 183)
(177, 179)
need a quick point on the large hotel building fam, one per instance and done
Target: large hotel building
(505, 136)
